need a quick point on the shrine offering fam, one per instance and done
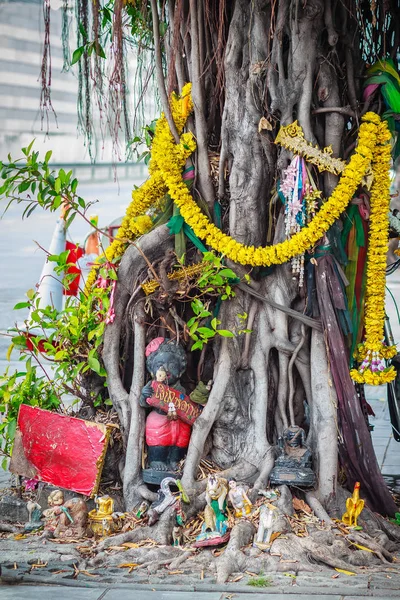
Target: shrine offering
(294, 464)
(63, 451)
(215, 528)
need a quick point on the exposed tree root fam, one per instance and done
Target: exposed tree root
(233, 559)
(161, 533)
(318, 509)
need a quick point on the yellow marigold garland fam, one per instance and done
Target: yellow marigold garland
(372, 352)
(170, 163)
(372, 148)
(166, 165)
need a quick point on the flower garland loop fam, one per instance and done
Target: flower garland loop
(372, 149)
(167, 162)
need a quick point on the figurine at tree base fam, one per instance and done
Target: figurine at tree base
(166, 498)
(65, 519)
(177, 536)
(103, 520)
(269, 515)
(168, 426)
(35, 516)
(354, 506)
(239, 499)
(293, 465)
(215, 527)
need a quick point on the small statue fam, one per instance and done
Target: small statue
(103, 520)
(269, 515)
(177, 536)
(65, 519)
(142, 510)
(165, 498)
(35, 515)
(215, 527)
(354, 506)
(293, 465)
(239, 499)
(169, 424)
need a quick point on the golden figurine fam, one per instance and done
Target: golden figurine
(354, 506)
(102, 519)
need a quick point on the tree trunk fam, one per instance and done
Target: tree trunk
(281, 61)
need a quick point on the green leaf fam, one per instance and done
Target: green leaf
(74, 185)
(91, 334)
(197, 345)
(99, 50)
(57, 185)
(29, 148)
(193, 328)
(24, 186)
(77, 54)
(11, 428)
(106, 16)
(56, 202)
(19, 340)
(94, 364)
(48, 156)
(225, 333)
(21, 305)
(227, 273)
(206, 332)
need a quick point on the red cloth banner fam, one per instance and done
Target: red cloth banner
(63, 451)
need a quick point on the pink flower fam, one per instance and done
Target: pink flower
(30, 484)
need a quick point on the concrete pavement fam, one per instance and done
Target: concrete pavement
(79, 593)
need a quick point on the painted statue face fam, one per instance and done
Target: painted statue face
(56, 498)
(161, 375)
(232, 484)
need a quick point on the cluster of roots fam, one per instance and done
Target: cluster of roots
(301, 542)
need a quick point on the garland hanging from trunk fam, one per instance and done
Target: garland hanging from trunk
(373, 150)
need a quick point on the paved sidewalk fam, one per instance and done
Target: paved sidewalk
(386, 448)
(52, 593)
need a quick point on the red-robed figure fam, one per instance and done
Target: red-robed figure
(168, 426)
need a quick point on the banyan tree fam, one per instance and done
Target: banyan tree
(258, 242)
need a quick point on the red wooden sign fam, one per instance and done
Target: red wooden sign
(63, 451)
(186, 409)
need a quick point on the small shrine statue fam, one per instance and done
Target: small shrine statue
(102, 519)
(35, 516)
(354, 506)
(215, 527)
(65, 519)
(169, 424)
(269, 516)
(239, 499)
(166, 498)
(293, 465)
